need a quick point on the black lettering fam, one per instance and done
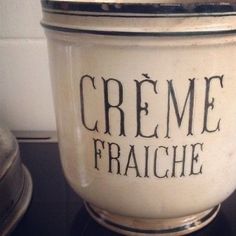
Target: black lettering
(114, 157)
(132, 156)
(190, 97)
(108, 106)
(210, 104)
(143, 108)
(195, 159)
(97, 152)
(181, 162)
(146, 161)
(156, 165)
(88, 77)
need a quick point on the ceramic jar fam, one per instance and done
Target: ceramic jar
(144, 97)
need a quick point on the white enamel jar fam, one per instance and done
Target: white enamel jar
(144, 97)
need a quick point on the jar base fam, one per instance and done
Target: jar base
(155, 227)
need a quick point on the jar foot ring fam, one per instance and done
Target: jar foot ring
(154, 227)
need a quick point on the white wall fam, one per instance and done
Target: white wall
(25, 89)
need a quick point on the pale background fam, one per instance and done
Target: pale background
(25, 89)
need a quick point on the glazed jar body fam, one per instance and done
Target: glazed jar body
(107, 160)
(145, 112)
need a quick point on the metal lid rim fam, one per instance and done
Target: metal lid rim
(139, 7)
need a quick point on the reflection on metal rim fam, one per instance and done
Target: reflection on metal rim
(122, 228)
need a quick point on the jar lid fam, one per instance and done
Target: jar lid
(141, 6)
(15, 183)
(140, 18)
(8, 150)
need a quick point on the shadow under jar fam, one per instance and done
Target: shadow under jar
(144, 96)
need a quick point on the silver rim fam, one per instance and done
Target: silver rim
(21, 206)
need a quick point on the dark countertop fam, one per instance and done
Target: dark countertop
(56, 210)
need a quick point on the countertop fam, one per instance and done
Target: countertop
(55, 210)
